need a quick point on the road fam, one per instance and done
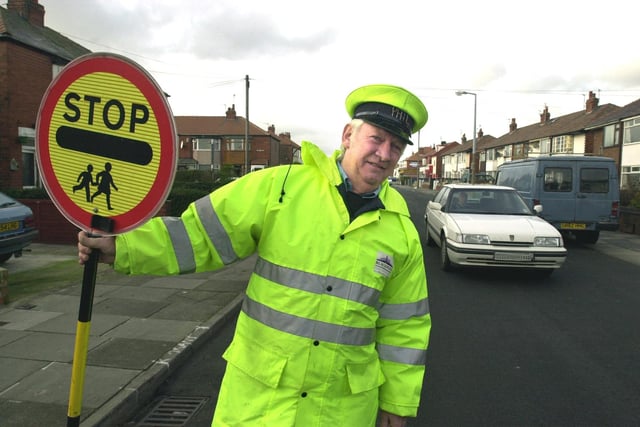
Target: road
(506, 348)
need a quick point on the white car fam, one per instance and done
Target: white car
(491, 226)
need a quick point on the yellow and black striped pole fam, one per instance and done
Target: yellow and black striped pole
(82, 340)
(83, 327)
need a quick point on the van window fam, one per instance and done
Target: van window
(558, 179)
(514, 177)
(594, 180)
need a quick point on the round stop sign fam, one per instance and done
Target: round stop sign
(106, 143)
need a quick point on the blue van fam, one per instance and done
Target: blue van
(580, 195)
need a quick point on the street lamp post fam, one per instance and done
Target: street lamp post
(474, 147)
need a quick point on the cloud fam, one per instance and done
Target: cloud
(228, 34)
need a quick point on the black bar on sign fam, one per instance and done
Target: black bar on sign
(100, 144)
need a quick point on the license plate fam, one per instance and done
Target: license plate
(503, 256)
(572, 226)
(9, 226)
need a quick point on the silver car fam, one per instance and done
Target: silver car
(491, 226)
(17, 227)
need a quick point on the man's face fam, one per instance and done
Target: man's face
(371, 154)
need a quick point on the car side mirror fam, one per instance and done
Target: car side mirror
(435, 206)
(537, 209)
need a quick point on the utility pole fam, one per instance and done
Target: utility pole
(246, 127)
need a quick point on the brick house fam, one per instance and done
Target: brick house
(215, 142)
(31, 55)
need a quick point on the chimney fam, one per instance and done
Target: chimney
(464, 138)
(29, 10)
(513, 125)
(231, 112)
(545, 116)
(272, 130)
(592, 102)
(480, 133)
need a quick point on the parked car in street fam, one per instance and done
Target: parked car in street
(491, 226)
(17, 227)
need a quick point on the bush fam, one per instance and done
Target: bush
(630, 198)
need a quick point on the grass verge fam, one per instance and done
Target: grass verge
(49, 278)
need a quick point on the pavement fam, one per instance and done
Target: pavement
(142, 329)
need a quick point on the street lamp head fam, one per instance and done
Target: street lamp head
(460, 92)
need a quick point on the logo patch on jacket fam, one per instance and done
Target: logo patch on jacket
(384, 264)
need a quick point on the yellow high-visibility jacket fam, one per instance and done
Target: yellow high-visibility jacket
(335, 322)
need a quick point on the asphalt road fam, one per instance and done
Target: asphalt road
(507, 349)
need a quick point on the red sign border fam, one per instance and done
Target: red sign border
(124, 67)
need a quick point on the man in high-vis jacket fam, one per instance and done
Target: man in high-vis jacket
(335, 323)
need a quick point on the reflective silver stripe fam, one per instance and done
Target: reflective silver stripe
(313, 329)
(181, 244)
(408, 356)
(404, 311)
(317, 284)
(216, 232)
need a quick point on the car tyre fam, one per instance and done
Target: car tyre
(445, 262)
(4, 258)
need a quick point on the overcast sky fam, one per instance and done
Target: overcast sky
(304, 57)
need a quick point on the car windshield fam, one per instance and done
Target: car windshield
(484, 201)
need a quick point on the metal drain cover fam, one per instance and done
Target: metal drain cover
(172, 411)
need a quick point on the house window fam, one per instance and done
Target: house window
(545, 146)
(27, 138)
(507, 151)
(562, 144)
(235, 144)
(611, 135)
(204, 144)
(56, 69)
(519, 151)
(632, 131)
(631, 177)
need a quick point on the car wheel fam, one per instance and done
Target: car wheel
(445, 262)
(4, 258)
(429, 239)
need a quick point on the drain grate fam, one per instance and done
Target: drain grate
(172, 411)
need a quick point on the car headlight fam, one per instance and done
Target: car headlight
(547, 241)
(476, 239)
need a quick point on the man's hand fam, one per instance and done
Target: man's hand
(86, 245)
(385, 419)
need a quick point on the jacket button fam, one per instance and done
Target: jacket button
(304, 394)
(329, 288)
(342, 237)
(316, 343)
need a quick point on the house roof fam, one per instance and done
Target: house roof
(630, 110)
(16, 28)
(448, 147)
(481, 143)
(564, 125)
(215, 125)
